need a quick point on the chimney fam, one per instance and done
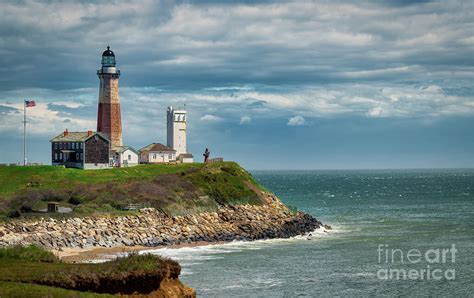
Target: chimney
(89, 133)
(66, 132)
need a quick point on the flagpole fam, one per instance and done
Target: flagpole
(24, 132)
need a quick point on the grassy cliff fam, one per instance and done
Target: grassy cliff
(33, 272)
(174, 189)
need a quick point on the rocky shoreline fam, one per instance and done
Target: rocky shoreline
(152, 228)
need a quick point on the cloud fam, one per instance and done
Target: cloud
(41, 120)
(79, 106)
(210, 118)
(245, 120)
(399, 61)
(297, 120)
(4, 109)
(375, 112)
(230, 88)
(184, 45)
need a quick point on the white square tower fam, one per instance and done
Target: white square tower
(176, 130)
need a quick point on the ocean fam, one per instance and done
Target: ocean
(395, 232)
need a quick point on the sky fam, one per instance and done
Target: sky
(269, 84)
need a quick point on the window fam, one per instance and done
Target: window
(55, 156)
(170, 156)
(81, 156)
(129, 157)
(154, 155)
(60, 145)
(60, 156)
(55, 145)
(80, 145)
(73, 145)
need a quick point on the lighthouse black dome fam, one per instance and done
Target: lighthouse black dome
(108, 53)
(108, 58)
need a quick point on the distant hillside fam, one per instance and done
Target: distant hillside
(175, 189)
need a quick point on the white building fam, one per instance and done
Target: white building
(185, 158)
(176, 133)
(157, 153)
(124, 156)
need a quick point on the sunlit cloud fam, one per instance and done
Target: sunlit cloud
(245, 120)
(297, 120)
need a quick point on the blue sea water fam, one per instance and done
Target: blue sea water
(372, 212)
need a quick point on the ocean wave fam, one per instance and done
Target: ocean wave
(191, 255)
(186, 255)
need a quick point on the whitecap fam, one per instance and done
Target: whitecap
(198, 254)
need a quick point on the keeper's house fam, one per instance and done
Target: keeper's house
(157, 153)
(83, 150)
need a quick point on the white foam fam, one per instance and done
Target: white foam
(198, 254)
(195, 254)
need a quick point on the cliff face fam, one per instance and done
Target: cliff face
(25, 270)
(171, 288)
(272, 219)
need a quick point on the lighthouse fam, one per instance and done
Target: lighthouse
(109, 118)
(176, 130)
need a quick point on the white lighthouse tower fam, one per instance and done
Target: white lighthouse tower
(176, 133)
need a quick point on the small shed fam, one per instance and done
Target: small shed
(53, 207)
(186, 158)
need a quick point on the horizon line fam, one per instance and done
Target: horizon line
(364, 169)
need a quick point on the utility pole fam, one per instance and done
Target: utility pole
(24, 132)
(26, 104)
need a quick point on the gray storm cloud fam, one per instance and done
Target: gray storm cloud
(238, 62)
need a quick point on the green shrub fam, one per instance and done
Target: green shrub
(31, 253)
(75, 200)
(229, 170)
(14, 214)
(26, 208)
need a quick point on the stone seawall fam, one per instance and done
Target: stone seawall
(153, 228)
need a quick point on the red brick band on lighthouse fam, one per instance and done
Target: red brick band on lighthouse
(109, 118)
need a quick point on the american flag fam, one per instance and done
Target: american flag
(30, 103)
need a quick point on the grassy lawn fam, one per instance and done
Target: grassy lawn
(26, 270)
(175, 189)
(21, 290)
(15, 178)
